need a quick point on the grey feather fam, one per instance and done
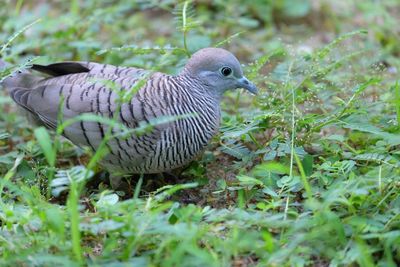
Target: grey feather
(80, 85)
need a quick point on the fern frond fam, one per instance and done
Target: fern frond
(235, 149)
(63, 178)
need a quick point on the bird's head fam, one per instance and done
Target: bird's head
(217, 69)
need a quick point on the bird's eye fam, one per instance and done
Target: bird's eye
(226, 71)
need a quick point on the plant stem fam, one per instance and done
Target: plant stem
(184, 27)
(397, 102)
(73, 208)
(303, 176)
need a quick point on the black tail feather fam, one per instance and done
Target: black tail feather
(59, 69)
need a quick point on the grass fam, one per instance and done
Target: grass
(305, 174)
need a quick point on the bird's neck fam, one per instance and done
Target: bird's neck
(201, 98)
(199, 88)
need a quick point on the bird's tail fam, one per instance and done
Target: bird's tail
(13, 79)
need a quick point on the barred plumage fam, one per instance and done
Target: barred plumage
(197, 90)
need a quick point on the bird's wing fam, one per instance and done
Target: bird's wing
(77, 88)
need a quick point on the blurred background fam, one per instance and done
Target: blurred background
(79, 29)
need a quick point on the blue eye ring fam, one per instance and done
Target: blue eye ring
(226, 71)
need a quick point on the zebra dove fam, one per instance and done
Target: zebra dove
(196, 90)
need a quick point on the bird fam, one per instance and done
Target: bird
(192, 98)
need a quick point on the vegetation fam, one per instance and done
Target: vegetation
(305, 174)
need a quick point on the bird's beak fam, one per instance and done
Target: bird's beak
(246, 84)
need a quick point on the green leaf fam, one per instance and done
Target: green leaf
(45, 143)
(107, 200)
(247, 180)
(55, 219)
(307, 163)
(273, 167)
(392, 139)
